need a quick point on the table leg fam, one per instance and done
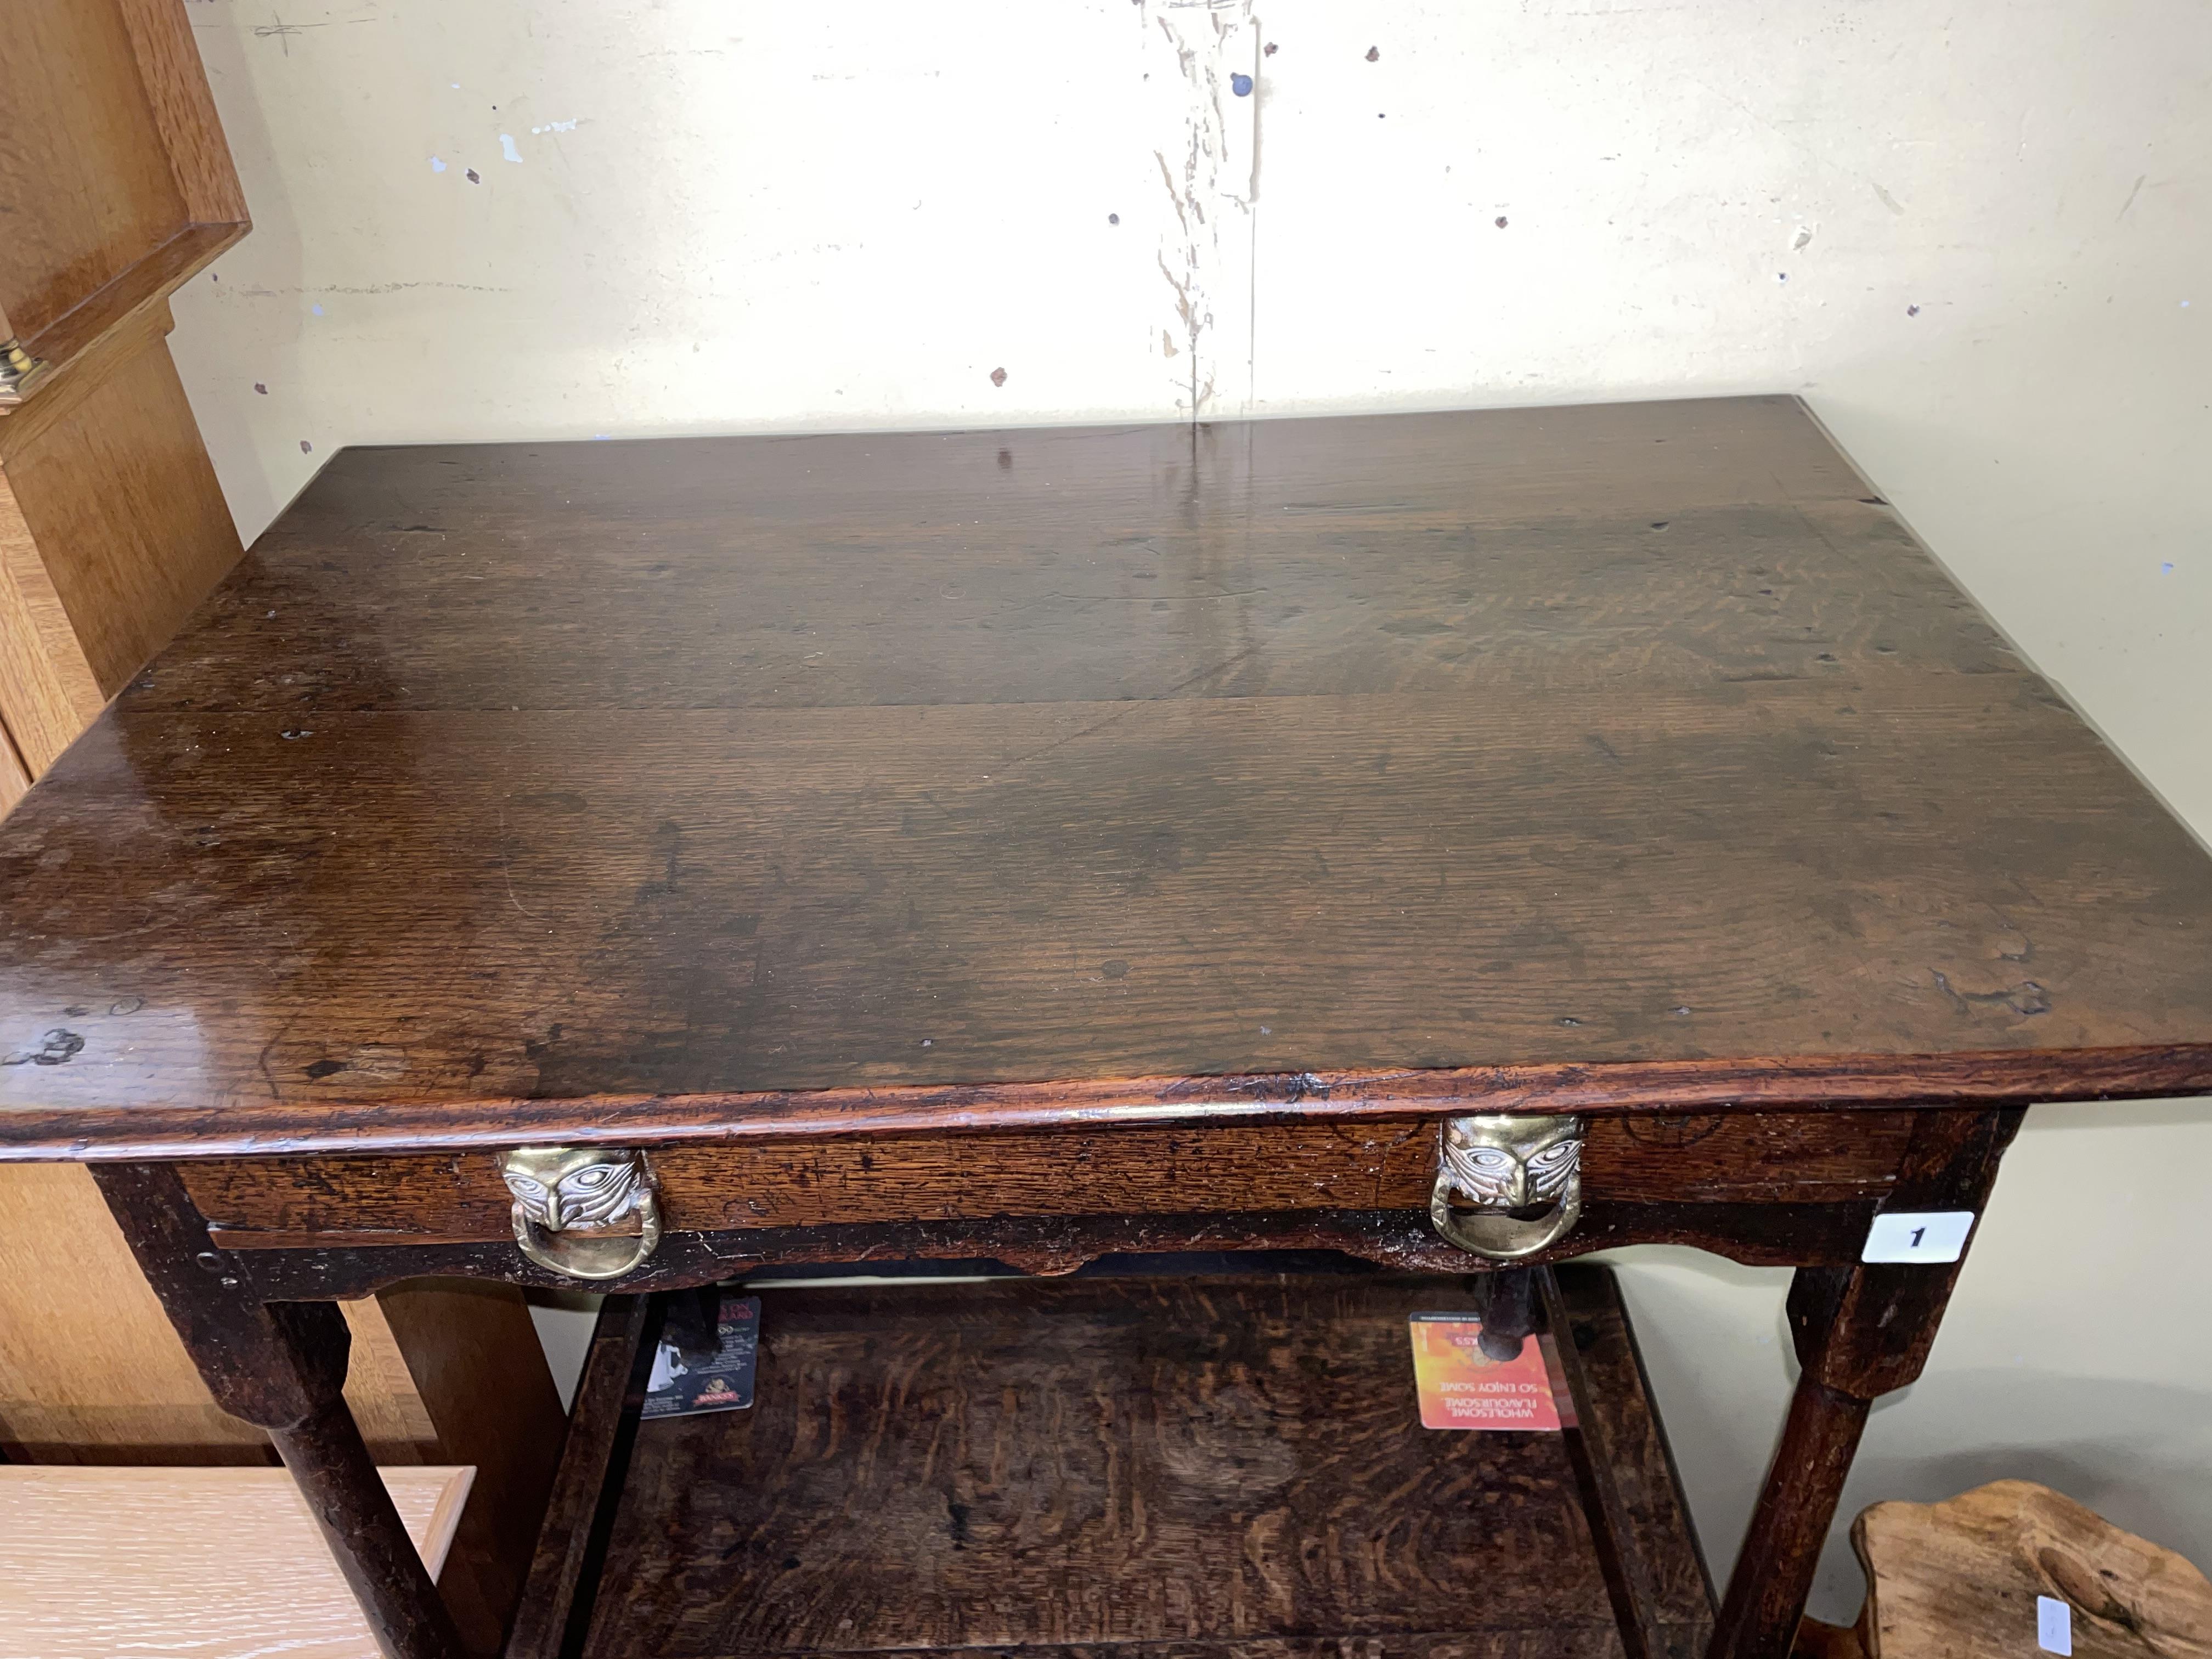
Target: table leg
(283, 1365)
(1509, 1317)
(1773, 1574)
(1860, 1333)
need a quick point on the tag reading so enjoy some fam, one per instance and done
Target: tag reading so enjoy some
(724, 1382)
(1460, 1387)
(1918, 1236)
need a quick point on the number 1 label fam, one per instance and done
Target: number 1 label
(1923, 1236)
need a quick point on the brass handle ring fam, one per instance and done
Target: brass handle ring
(589, 1256)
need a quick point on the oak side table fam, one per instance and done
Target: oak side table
(1450, 842)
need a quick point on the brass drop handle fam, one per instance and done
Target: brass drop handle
(1498, 1164)
(571, 1204)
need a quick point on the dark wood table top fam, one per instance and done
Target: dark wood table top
(1632, 755)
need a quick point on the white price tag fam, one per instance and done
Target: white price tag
(2054, 1625)
(1918, 1236)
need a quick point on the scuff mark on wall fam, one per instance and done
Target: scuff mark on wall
(1209, 168)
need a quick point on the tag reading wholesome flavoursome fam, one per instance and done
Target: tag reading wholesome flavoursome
(1460, 1387)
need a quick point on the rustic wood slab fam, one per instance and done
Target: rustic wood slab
(199, 1564)
(1186, 1466)
(1960, 1580)
(1630, 755)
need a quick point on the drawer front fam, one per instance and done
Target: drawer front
(1766, 1157)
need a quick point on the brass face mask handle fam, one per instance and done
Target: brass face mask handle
(1498, 1164)
(568, 1202)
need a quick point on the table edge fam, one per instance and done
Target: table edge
(1654, 1087)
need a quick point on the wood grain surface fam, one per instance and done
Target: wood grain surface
(183, 112)
(1960, 1580)
(203, 1563)
(48, 688)
(118, 181)
(1632, 754)
(114, 483)
(85, 163)
(1182, 1463)
(15, 774)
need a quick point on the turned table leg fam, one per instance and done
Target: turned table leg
(283, 1365)
(1860, 1333)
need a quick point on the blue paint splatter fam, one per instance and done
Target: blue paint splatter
(436, 165)
(318, 310)
(1240, 85)
(2165, 569)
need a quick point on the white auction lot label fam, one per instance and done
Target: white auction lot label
(1918, 1236)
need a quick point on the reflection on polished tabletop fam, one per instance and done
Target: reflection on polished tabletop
(702, 785)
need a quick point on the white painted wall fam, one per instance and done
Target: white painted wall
(1977, 239)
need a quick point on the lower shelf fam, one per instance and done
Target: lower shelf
(1175, 1467)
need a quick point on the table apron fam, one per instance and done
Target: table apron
(1786, 1158)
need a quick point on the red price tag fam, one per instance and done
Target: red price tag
(1460, 1387)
